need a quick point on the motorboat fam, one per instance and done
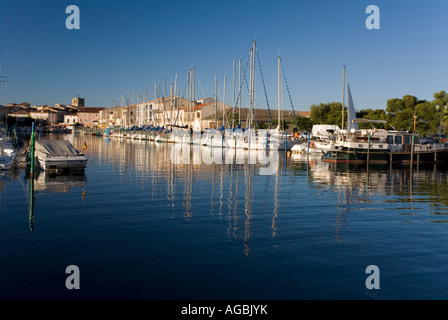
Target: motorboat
(58, 154)
(7, 155)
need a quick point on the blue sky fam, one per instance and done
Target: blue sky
(126, 46)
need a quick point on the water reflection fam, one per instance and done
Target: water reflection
(231, 176)
(63, 182)
(221, 184)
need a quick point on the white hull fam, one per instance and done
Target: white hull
(249, 140)
(62, 162)
(7, 155)
(7, 161)
(315, 147)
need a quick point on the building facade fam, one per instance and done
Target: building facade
(89, 117)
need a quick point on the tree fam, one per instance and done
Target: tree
(409, 102)
(319, 113)
(284, 124)
(305, 124)
(441, 98)
(328, 113)
(236, 119)
(394, 106)
(377, 114)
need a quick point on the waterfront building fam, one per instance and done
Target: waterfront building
(71, 119)
(89, 117)
(46, 115)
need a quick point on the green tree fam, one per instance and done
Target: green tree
(305, 124)
(372, 114)
(284, 123)
(441, 98)
(328, 113)
(319, 113)
(236, 119)
(410, 102)
(394, 106)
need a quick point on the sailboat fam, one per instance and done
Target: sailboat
(260, 139)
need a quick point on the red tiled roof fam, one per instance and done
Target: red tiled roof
(90, 110)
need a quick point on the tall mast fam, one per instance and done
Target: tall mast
(224, 102)
(239, 92)
(216, 104)
(279, 126)
(171, 104)
(192, 95)
(174, 98)
(155, 100)
(250, 87)
(188, 98)
(254, 55)
(343, 96)
(233, 101)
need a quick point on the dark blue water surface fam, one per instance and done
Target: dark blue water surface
(140, 225)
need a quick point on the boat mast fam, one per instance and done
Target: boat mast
(239, 92)
(224, 102)
(216, 104)
(192, 94)
(343, 96)
(188, 98)
(251, 83)
(233, 101)
(279, 127)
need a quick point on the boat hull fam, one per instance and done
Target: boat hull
(364, 156)
(6, 162)
(62, 163)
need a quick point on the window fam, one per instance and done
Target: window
(398, 139)
(390, 139)
(407, 140)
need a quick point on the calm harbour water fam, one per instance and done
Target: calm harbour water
(140, 226)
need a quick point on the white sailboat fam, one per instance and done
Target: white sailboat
(262, 139)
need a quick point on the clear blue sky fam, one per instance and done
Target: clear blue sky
(127, 46)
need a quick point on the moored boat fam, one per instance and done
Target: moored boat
(59, 154)
(382, 146)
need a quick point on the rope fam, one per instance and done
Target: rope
(264, 87)
(289, 95)
(239, 93)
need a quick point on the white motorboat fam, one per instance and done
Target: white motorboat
(7, 157)
(7, 154)
(59, 154)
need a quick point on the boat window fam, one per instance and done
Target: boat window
(398, 139)
(407, 139)
(390, 139)
(416, 140)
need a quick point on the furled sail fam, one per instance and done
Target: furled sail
(351, 114)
